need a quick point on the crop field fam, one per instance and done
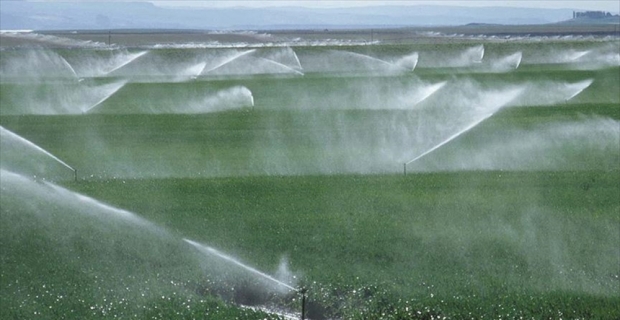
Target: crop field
(459, 179)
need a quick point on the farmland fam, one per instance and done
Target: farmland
(453, 177)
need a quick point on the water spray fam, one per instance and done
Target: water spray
(579, 87)
(297, 59)
(283, 66)
(454, 136)
(227, 61)
(68, 65)
(114, 88)
(29, 143)
(206, 249)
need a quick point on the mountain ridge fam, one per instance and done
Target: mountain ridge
(143, 15)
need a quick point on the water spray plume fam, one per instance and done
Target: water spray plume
(194, 71)
(476, 54)
(428, 91)
(68, 65)
(297, 59)
(114, 88)
(105, 208)
(578, 87)
(488, 104)
(510, 62)
(454, 136)
(212, 251)
(4, 133)
(576, 55)
(229, 60)
(283, 66)
(367, 57)
(408, 62)
(226, 99)
(518, 56)
(131, 58)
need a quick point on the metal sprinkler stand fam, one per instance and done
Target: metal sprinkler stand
(405, 168)
(303, 292)
(75, 174)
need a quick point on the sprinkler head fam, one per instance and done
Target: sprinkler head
(303, 290)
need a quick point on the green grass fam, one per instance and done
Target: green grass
(492, 238)
(463, 245)
(518, 217)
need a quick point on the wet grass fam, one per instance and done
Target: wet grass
(310, 183)
(487, 243)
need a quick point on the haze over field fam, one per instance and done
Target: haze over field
(62, 15)
(343, 168)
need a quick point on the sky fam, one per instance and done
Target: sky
(604, 5)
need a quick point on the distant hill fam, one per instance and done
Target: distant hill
(144, 15)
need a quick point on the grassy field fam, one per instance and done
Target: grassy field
(291, 161)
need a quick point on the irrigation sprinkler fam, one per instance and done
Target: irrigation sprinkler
(75, 174)
(405, 168)
(209, 250)
(303, 292)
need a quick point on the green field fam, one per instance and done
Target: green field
(292, 161)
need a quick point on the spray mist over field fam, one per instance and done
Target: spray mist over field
(23, 156)
(580, 58)
(471, 171)
(589, 143)
(126, 258)
(550, 246)
(366, 126)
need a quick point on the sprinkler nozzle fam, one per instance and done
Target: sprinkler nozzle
(303, 292)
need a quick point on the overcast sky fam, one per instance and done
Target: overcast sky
(604, 5)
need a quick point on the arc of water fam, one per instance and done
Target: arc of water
(579, 86)
(132, 58)
(430, 90)
(506, 63)
(454, 136)
(481, 53)
(408, 62)
(577, 55)
(227, 61)
(209, 250)
(196, 70)
(368, 58)
(283, 66)
(518, 56)
(68, 65)
(118, 212)
(10, 134)
(473, 54)
(297, 59)
(112, 92)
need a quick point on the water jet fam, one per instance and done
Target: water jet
(11, 140)
(282, 65)
(130, 58)
(454, 136)
(111, 90)
(66, 63)
(211, 251)
(228, 60)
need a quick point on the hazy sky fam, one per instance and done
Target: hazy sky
(604, 5)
